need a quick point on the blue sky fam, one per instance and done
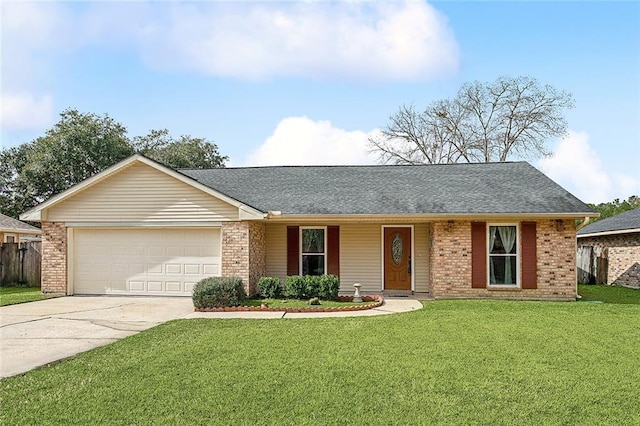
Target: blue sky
(307, 82)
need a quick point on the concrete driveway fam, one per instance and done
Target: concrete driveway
(37, 333)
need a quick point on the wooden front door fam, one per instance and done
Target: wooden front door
(397, 258)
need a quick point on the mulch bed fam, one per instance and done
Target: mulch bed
(374, 302)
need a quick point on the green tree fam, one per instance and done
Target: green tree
(185, 153)
(615, 207)
(14, 196)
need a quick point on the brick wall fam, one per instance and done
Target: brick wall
(257, 254)
(243, 252)
(623, 253)
(54, 258)
(556, 263)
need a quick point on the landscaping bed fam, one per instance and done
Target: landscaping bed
(342, 304)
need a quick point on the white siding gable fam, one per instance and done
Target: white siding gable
(141, 193)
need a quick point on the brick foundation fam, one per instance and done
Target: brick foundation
(243, 252)
(556, 263)
(54, 258)
(623, 253)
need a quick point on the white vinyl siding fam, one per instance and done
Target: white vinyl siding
(276, 247)
(140, 193)
(421, 239)
(165, 262)
(360, 257)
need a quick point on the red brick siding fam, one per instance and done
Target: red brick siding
(451, 260)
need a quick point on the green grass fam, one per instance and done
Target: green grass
(295, 303)
(453, 362)
(13, 295)
(609, 294)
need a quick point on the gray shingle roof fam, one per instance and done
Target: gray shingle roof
(10, 224)
(619, 222)
(488, 188)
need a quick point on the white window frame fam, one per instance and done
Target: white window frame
(324, 253)
(517, 256)
(15, 238)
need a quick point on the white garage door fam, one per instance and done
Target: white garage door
(166, 262)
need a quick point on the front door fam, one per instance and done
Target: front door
(397, 258)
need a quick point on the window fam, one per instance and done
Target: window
(312, 251)
(9, 238)
(503, 255)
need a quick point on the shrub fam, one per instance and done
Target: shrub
(313, 285)
(269, 287)
(314, 301)
(216, 292)
(308, 286)
(295, 287)
(329, 287)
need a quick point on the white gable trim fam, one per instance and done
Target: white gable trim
(36, 213)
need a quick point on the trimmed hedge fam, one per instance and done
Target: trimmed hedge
(329, 287)
(305, 287)
(295, 287)
(270, 288)
(216, 292)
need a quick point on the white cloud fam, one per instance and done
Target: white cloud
(302, 141)
(25, 111)
(577, 167)
(30, 32)
(334, 40)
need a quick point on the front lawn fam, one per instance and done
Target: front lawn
(13, 295)
(453, 362)
(609, 294)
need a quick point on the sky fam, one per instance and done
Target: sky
(293, 83)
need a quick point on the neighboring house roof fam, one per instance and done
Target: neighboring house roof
(464, 189)
(622, 223)
(11, 225)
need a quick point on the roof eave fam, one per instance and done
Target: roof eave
(603, 233)
(428, 217)
(21, 231)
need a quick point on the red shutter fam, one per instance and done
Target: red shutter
(293, 250)
(529, 255)
(478, 255)
(333, 250)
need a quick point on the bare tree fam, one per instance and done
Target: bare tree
(485, 122)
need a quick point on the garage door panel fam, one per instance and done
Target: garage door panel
(173, 269)
(211, 270)
(144, 261)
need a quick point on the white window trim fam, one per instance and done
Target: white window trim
(324, 228)
(413, 240)
(15, 238)
(518, 245)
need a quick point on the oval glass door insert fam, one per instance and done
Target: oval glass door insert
(397, 245)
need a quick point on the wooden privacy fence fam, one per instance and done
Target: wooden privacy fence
(593, 264)
(20, 263)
